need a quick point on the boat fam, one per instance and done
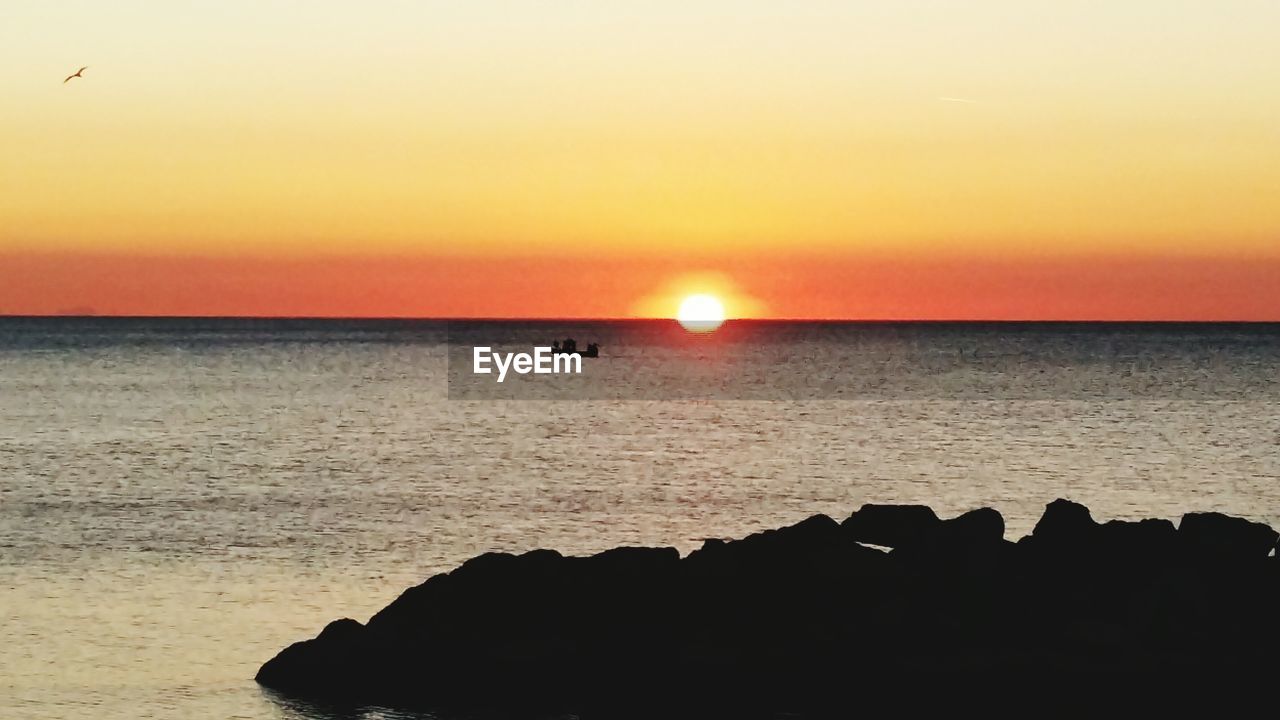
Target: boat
(570, 347)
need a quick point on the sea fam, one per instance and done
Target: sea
(182, 498)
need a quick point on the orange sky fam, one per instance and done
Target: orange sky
(911, 159)
(787, 286)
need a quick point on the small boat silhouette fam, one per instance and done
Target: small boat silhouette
(570, 347)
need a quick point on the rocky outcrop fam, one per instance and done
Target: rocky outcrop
(1225, 536)
(890, 525)
(807, 618)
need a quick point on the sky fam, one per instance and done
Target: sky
(996, 159)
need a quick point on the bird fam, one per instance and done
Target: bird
(76, 74)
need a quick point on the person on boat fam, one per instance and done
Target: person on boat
(555, 346)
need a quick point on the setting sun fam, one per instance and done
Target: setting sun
(701, 313)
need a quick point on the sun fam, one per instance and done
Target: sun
(700, 313)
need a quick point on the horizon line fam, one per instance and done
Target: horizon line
(425, 318)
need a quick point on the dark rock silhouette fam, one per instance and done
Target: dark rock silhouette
(1226, 536)
(808, 619)
(1064, 523)
(890, 525)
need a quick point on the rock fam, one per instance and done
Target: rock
(815, 547)
(634, 560)
(1150, 538)
(1221, 535)
(784, 545)
(1064, 522)
(984, 525)
(806, 619)
(327, 667)
(1065, 534)
(977, 529)
(969, 548)
(890, 525)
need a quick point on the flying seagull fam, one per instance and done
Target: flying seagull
(75, 74)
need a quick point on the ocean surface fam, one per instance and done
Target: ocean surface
(180, 499)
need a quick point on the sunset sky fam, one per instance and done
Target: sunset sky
(984, 159)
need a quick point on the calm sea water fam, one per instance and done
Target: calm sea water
(179, 499)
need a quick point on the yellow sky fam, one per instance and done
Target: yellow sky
(987, 128)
